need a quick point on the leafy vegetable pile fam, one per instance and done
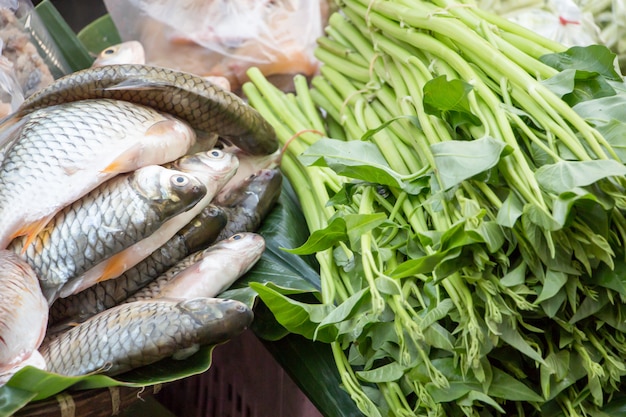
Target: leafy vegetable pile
(463, 182)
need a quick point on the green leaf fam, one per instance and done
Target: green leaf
(354, 159)
(515, 276)
(424, 264)
(506, 387)
(438, 337)
(346, 309)
(553, 282)
(297, 317)
(577, 86)
(593, 58)
(473, 396)
(45, 384)
(512, 336)
(510, 211)
(448, 100)
(457, 161)
(589, 307)
(323, 239)
(612, 278)
(454, 391)
(386, 373)
(552, 305)
(567, 175)
(608, 116)
(12, 399)
(359, 224)
(72, 50)
(99, 35)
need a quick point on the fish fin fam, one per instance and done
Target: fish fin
(162, 127)
(121, 162)
(31, 230)
(184, 353)
(115, 266)
(132, 84)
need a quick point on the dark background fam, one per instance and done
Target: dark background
(78, 13)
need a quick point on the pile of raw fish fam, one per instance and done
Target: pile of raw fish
(129, 199)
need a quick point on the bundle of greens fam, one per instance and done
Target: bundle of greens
(463, 182)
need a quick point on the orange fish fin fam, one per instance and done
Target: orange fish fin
(115, 266)
(31, 230)
(161, 127)
(124, 161)
(113, 167)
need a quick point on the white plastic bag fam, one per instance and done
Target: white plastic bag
(560, 20)
(224, 37)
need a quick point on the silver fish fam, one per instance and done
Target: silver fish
(247, 204)
(23, 316)
(209, 272)
(136, 334)
(107, 220)
(205, 106)
(213, 168)
(62, 152)
(195, 236)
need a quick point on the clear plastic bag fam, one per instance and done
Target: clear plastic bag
(224, 37)
(29, 55)
(563, 21)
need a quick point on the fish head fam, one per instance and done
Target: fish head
(249, 165)
(266, 185)
(213, 167)
(241, 249)
(218, 319)
(170, 190)
(203, 229)
(130, 52)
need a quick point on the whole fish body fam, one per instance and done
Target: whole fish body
(136, 334)
(115, 215)
(193, 237)
(213, 169)
(205, 106)
(247, 204)
(209, 272)
(62, 152)
(23, 315)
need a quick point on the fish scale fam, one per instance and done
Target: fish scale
(208, 272)
(204, 105)
(23, 314)
(110, 218)
(140, 333)
(203, 166)
(63, 152)
(195, 236)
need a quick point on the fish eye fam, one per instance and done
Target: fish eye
(216, 153)
(180, 180)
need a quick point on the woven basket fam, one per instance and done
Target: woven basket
(104, 402)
